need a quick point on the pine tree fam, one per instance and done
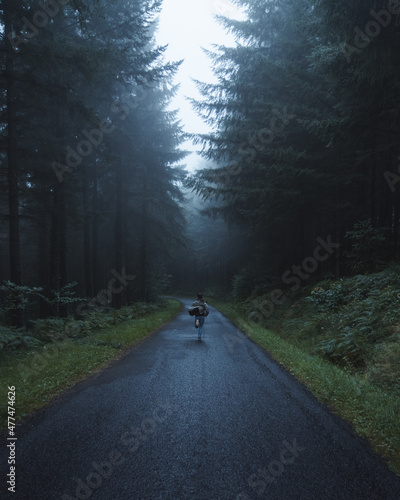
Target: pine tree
(93, 130)
(303, 133)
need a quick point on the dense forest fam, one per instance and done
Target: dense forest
(90, 157)
(300, 174)
(305, 138)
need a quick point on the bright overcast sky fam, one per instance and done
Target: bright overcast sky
(187, 26)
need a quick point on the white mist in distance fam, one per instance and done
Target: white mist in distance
(187, 26)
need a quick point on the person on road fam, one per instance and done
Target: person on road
(201, 316)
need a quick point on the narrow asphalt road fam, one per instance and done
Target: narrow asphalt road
(181, 419)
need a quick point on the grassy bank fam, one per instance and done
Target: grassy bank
(40, 374)
(372, 411)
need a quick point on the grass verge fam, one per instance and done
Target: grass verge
(41, 374)
(373, 413)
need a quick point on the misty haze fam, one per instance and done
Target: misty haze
(200, 249)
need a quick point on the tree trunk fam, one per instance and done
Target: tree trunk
(12, 161)
(95, 265)
(338, 256)
(395, 225)
(58, 246)
(86, 236)
(54, 265)
(43, 262)
(144, 237)
(119, 251)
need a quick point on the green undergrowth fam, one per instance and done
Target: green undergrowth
(372, 411)
(42, 331)
(353, 323)
(40, 374)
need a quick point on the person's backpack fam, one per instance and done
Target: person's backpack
(196, 310)
(199, 308)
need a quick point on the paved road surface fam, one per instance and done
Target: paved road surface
(179, 419)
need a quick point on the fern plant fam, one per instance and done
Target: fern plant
(15, 338)
(17, 300)
(369, 247)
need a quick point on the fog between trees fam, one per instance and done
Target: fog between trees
(303, 146)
